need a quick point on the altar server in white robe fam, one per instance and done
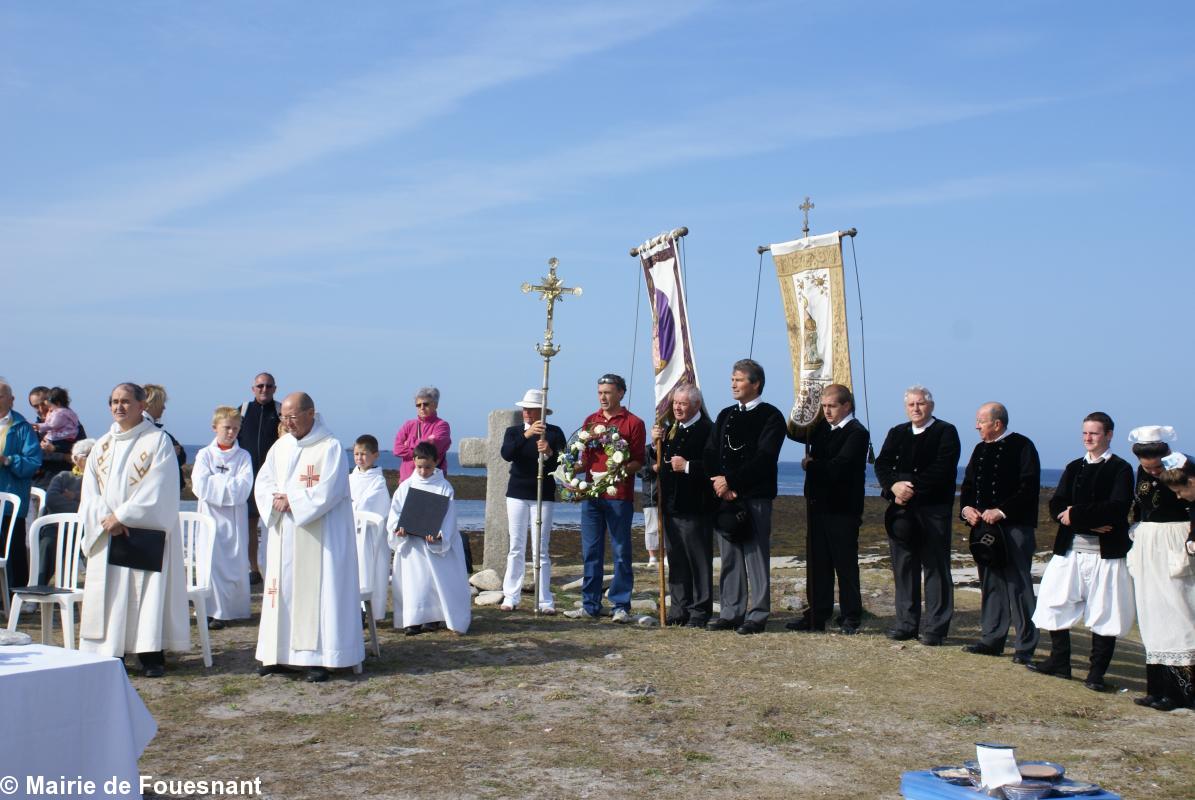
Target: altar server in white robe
(429, 581)
(309, 614)
(131, 481)
(370, 493)
(222, 479)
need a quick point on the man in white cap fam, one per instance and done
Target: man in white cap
(524, 445)
(1087, 578)
(1165, 601)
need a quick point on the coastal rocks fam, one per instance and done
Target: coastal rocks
(487, 580)
(645, 605)
(488, 598)
(792, 602)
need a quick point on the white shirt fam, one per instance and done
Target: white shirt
(917, 431)
(1103, 457)
(750, 405)
(844, 421)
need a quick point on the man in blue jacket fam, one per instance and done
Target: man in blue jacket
(20, 457)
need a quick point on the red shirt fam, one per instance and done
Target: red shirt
(630, 428)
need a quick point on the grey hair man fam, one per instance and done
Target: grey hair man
(1000, 490)
(917, 468)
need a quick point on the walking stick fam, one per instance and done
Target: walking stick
(549, 290)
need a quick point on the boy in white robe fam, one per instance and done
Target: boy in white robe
(131, 480)
(309, 615)
(367, 484)
(222, 479)
(429, 582)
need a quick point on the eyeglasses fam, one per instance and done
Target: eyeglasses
(263, 386)
(422, 405)
(293, 417)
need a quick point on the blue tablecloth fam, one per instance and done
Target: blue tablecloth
(924, 786)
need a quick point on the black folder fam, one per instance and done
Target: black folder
(423, 512)
(40, 591)
(141, 548)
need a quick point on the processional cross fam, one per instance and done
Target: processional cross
(550, 289)
(806, 207)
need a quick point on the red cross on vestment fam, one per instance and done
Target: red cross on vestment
(273, 593)
(310, 477)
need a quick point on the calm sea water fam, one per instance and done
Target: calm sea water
(790, 480)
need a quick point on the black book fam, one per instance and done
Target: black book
(41, 591)
(423, 512)
(141, 548)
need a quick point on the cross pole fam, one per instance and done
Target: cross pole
(550, 289)
(806, 207)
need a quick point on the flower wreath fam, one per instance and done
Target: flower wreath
(570, 472)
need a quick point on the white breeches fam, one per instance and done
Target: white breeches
(1084, 586)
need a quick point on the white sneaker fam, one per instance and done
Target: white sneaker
(622, 616)
(653, 561)
(579, 613)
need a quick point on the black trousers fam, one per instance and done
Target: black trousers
(17, 568)
(833, 551)
(1006, 593)
(919, 541)
(689, 542)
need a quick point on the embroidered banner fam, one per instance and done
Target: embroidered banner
(811, 285)
(671, 346)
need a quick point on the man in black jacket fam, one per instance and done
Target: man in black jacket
(1001, 487)
(917, 468)
(835, 465)
(259, 430)
(687, 501)
(740, 460)
(1087, 578)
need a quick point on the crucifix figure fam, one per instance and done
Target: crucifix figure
(550, 289)
(310, 477)
(273, 593)
(806, 207)
(221, 468)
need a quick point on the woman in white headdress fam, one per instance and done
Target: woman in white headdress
(1163, 573)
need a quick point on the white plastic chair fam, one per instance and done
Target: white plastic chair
(10, 506)
(37, 503)
(199, 537)
(369, 525)
(66, 576)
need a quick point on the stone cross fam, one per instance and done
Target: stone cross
(487, 453)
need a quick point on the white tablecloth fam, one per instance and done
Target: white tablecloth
(66, 714)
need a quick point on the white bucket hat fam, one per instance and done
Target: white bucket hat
(533, 398)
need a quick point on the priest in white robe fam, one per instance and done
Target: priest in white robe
(429, 582)
(309, 614)
(367, 484)
(222, 480)
(131, 481)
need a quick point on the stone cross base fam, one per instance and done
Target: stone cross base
(487, 453)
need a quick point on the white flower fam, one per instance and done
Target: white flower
(583, 436)
(618, 457)
(614, 436)
(612, 490)
(574, 483)
(599, 429)
(582, 485)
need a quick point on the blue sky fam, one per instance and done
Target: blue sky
(350, 197)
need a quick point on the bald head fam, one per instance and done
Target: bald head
(298, 414)
(991, 420)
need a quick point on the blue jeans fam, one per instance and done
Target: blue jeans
(598, 516)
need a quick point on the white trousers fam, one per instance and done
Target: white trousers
(520, 518)
(651, 528)
(1084, 586)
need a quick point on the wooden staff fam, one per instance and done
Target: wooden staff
(660, 522)
(549, 290)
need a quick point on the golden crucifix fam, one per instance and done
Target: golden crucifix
(806, 207)
(550, 289)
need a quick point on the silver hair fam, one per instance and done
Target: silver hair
(917, 388)
(82, 447)
(429, 392)
(691, 390)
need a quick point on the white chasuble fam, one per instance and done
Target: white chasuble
(429, 582)
(370, 494)
(222, 481)
(134, 475)
(309, 609)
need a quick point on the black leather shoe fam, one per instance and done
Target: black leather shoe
(1146, 700)
(981, 649)
(696, 622)
(849, 630)
(1022, 659)
(1096, 684)
(805, 625)
(254, 578)
(1047, 668)
(749, 627)
(316, 675)
(154, 671)
(413, 630)
(214, 624)
(676, 622)
(930, 639)
(1163, 704)
(720, 624)
(273, 669)
(897, 635)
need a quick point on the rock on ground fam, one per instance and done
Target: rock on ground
(488, 598)
(487, 580)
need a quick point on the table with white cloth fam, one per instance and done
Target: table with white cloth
(925, 785)
(69, 715)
